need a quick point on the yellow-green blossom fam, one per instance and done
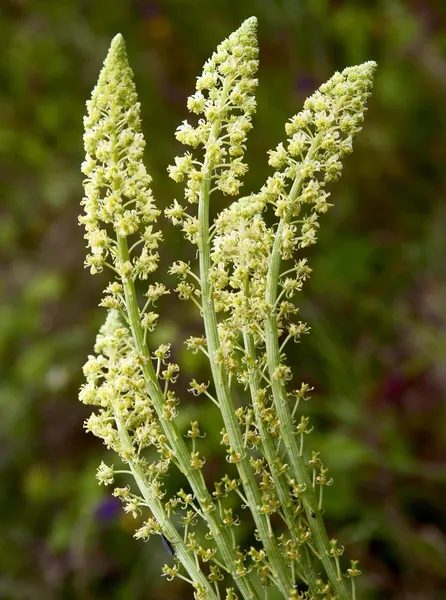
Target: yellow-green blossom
(250, 271)
(118, 197)
(225, 101)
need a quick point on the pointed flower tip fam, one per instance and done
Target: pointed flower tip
(117, 52)
(369, 70)
(370, 65)
(363, 71)
(251, 22)
(118, 40)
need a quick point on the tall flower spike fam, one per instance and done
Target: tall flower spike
(319, 137)
(228, 82)
(117, 192)
(225, 97)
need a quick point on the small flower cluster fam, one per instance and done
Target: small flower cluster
(225, 99)
(318, 138)
(128, 424)
(117, 187)
(115, 384)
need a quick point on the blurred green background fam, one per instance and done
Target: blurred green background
(376, 301)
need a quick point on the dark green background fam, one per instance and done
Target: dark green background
(376, 301)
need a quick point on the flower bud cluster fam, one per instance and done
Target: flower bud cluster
(118, 201)
(318, 138)
(116, 386)
(114, 383)
(224, 100)
(240, 257)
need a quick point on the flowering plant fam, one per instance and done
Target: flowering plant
(244, 285)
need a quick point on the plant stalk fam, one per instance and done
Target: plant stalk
(299, 467)
(221, 381)
(194, 476)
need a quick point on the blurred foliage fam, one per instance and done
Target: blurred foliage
(376, 302)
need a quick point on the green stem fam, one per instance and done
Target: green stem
(194, 476)
(269, 451)
(184, 554)
(299, 467)
(221, 382)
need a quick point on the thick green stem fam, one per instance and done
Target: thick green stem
(289, 438)
(194, 476)
(270, 452)
(223, 393)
